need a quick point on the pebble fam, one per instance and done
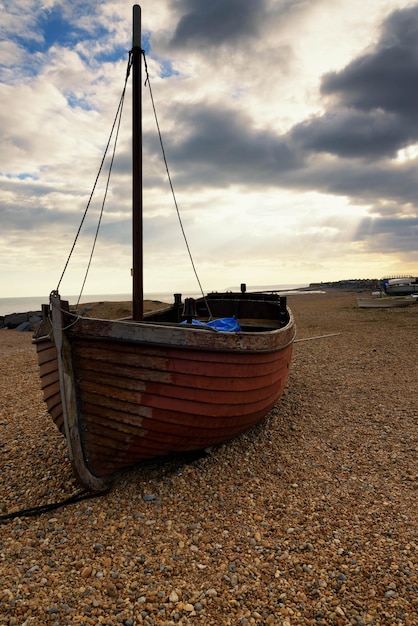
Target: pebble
(308, 519)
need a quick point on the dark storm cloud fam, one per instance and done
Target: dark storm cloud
(214, 22)
(389, 234)
(386, 78)
(220, 146)
(374, 100)
(365, 183)
(350, 133)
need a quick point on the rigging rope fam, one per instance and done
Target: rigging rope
(103, 203)
(116, 123)
(147, 80)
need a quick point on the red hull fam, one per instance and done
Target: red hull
(128, 392)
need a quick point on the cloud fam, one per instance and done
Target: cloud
(385, 78)
(373, 101)
(348, 133)
(392, 234)
(219, 146)
(215, 23)
(289, 128)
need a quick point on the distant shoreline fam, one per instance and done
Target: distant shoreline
(10, 306)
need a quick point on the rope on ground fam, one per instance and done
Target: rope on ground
(317, 337)
(45, 508)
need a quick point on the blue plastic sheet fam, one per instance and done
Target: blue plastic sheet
(223, 324)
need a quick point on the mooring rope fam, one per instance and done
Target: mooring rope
(316, 337)
(45, 508)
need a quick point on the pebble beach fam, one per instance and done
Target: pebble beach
(309, 518)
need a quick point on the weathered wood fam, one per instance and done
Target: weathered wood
(134, 391)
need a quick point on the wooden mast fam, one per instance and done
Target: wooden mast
(137, 261)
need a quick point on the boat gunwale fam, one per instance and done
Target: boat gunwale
(184, 337)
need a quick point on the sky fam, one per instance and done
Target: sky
(290, 129)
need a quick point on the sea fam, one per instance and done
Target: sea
(34, 303)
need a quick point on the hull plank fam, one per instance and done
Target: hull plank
(173, 409)
(48, 369)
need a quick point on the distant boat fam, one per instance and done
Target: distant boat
(403, 286)
(190, 376)
(385, 302)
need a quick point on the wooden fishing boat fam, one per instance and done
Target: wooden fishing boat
(175, 380)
